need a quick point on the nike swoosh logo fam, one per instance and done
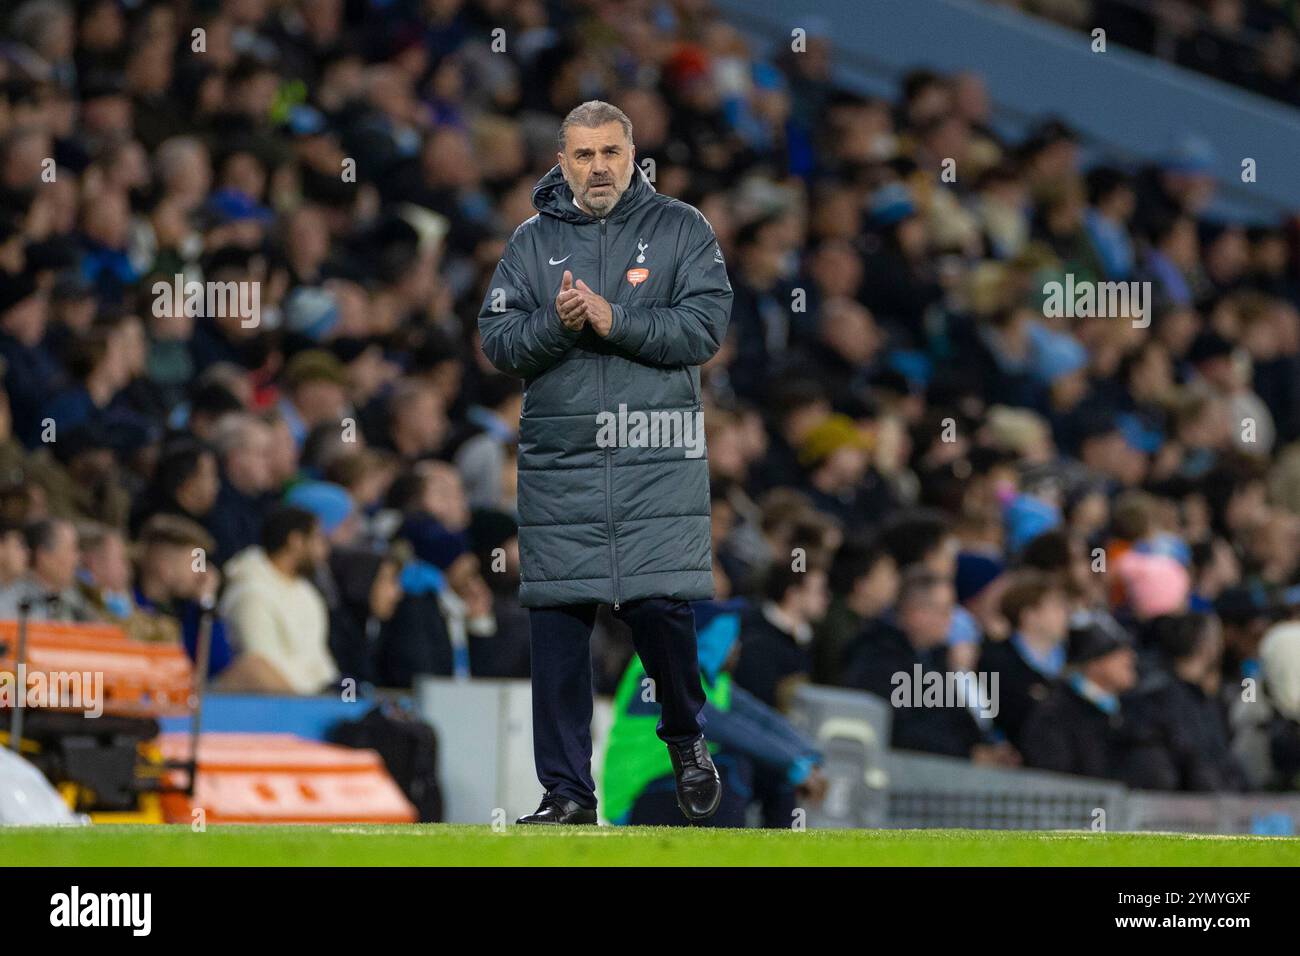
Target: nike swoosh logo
(556, 262)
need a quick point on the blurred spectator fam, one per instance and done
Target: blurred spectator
(105, 572)
(369, 592)
(314, 393)
(50, 586)
(175, 580)
(1033, 657)
(15, 556)
(910, 646)
(485, 457)
(186, 483)
(864, 585)
(776, 637)
(277, 621)
(494, 537)
(1266, 715)
(1177, 714)
(243, 445)
(1079, 727)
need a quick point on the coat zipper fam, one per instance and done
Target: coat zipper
(609, 463)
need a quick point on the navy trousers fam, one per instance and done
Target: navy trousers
(663, 632)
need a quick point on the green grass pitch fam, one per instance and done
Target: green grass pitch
(456, 845)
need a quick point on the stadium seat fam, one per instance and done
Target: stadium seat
(279, 778)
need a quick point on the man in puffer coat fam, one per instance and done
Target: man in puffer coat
(606, 303)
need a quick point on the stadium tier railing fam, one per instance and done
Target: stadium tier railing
(486, 770)
(874, 786)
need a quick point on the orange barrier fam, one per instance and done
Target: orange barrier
(140, 678)
(280, 778)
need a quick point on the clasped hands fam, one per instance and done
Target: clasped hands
(578, 305)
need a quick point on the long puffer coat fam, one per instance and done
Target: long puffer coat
(613, 475)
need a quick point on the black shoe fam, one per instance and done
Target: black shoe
(699, 788)
(558, 810)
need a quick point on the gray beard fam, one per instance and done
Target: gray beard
(602, 210)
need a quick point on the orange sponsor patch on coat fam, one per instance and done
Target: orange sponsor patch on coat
(637, 276)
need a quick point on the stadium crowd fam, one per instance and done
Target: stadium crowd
(1254, 44)
(915, 468)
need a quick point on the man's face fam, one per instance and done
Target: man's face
(283, 453)
(597, 165)
(880, 586)
(814, 597)
(444, 494)
(26, 320)
(942, 560)
(205, 484)
(109, 565)
(1049, 618)
(307, 550)
(13, 555)
(847, 466)
(1115, 672)
(424, 418)
(927, 617)
(170, 569)
(320, 401)
(57, 564)
(250, 465)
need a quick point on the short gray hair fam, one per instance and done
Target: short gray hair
(595, 113)
(232, 431)
(172, 152)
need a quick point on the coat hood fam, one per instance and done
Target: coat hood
(251, 568)
(248, 565)
(553, 197)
